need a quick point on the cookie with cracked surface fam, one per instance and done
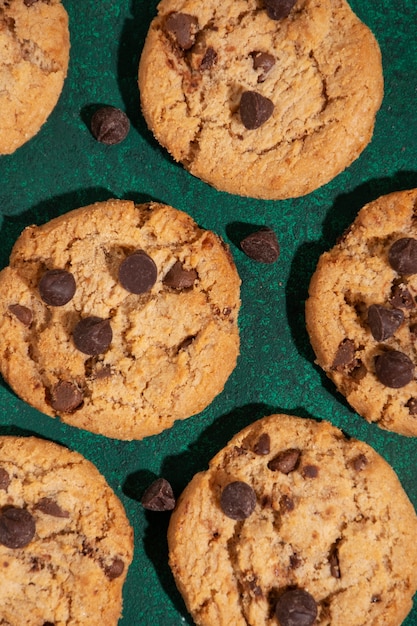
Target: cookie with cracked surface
(119, 318)
(361, 313)
(267, 106)
(292, 519)
(65, 541)
(34, 40)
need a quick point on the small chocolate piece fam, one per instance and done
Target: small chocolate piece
(261, 246)
(401, 298)
(411, 405)
(263, 445)
(285, 461)
(57, 287)
(183, 27)
(286, 504)
(50, 507)
(394, 369)
(65, 397)
(402, 255)
(209, 59)
(359, 462)
(255, 109)
(296, 607)
(92, 335)
(109, 125)
(179, 278)
(238, 500)
(115, 569)
(17, 527)
(22, 313)
(262, 61)
(278, 9)
(334, 562)
(28, 3)
(345, 354)
(138, 272)
(383, 321)
(4, 479)
(310, 471)
(159, 496)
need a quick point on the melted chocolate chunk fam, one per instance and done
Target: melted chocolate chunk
(310, 471)
(262, 61)
(57, 287)
(159, 496)
(285, 461)
(359, 462)
(278, 9)
(296, 607)
(263, 445)
(183, 27)
(401, 298)
(261, 246)
(394, 369)
(411, 405)
(50, 507)
(402, 255)
(209, 59)
(92, 335)
(238, 500)
(22, 313)
(138, 272)
(115, 569)
(109, 125)
(17, 527)
(179, 278)
(65, 397)
(286, 504)
(345, 354)
(384, 322)
(4, 479)
(255, 109)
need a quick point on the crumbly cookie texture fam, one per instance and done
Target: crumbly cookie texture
(327, 517)
(162, 354)
(361, 313)
(310, 84)
(34, 43)
(65, 541)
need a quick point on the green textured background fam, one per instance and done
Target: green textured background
(63, 167)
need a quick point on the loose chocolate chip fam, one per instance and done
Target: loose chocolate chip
(17, 527)
(183, 27)
(109, 125)
(359, 462)
(278, 9)
(92, 335)
(384, 322)
(261, 246)
(334, 562)
(263, 445)
(402, 255)
(159, 496)
(138, 272)
(4, 479)
(296, 607)
(262, 61)
(238, 500)
(345, 354)
(401, 298)
(23, 313)
(394, 369)
(50, 507)
(57, 287)
(179, 278)
(65, 397)
(285, 461)
(411, 405)
(255, 109)
(209, 59)
(115, 569)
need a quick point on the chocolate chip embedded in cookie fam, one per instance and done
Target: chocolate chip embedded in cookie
(315, 529)
(263, 98)
(65, 541)
(119, 318)
(361, 313)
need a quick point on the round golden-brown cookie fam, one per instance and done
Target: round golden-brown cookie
(65, 541)
(361, 313)
(210, 74)
(292, 517)
(34, 44)
(77, 342)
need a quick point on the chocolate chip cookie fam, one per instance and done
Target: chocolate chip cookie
(65, 541)
(361, 313)
(119, 318)
(295, 524)
(261, 98)
(34, 43)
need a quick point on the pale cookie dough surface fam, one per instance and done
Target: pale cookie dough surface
(326, 86)
(172, 349)
(350, 278)
(34, 56)
(337, 525)
(72, 571)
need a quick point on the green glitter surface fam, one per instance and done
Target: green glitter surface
(63, 168)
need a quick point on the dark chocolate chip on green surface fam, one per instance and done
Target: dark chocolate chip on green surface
(183, 27)
(261, 246)
(238, 500)
(138, 272)
(159, 496)
(109, 125)
(296, 607)
(402, 255)
(57, 287)
(384, 321)
(92, 335)
(394, 369)
(179, 278)
(17, 527)
(255, 109)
